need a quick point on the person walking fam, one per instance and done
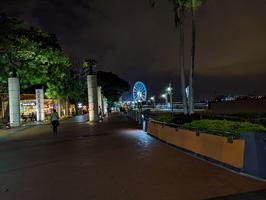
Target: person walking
(100, 113)
(109, 111)
(55, 121)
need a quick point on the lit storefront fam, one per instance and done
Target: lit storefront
(28, 106)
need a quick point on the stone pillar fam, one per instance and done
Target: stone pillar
(105, 106)
(92, 97)
(39, 105)
(102, 98)
(14, 101)
(100, 105)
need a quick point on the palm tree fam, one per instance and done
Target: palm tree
(89, 64)
(180, 7)
(193, 6)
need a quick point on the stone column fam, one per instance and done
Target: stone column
(14, 101)
(102, 98)
(92, 97)
(99, 94)
(105, 106)
(39, 105)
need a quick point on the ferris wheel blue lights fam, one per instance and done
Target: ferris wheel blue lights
(139, 92)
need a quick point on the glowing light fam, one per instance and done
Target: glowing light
(169, 89)
(79, 105)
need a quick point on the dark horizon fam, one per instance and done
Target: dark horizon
(137, 42)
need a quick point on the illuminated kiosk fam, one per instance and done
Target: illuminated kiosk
(92, 97)
(14, 101)
(39, 105)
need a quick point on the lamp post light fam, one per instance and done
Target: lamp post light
(153, 100)
(169, 91)
(165, 97)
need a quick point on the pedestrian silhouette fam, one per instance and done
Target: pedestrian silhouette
(55, 121)
(100, 113)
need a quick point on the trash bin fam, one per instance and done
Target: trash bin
(255, 154)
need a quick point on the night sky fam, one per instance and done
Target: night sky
(137, 42)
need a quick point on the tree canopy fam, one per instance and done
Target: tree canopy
(113, 86)
(32, 55)
(36, 58)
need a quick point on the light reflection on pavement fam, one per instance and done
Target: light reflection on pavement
(109, 160)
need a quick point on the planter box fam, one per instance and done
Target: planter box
(212, 146)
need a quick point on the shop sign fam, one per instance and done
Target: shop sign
(27, 104)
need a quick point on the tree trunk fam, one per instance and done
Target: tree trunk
(192, 64)
(59, 107)
(67, 107)
(181, 64)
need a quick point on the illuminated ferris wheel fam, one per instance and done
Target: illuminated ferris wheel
(139, 92)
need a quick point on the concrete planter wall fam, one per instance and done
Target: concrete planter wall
(211, 146)
(255, 154)
(135, 115)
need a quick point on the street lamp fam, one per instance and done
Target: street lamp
(169, 91)
(153, 100)
(165, 97)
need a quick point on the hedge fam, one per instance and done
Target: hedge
(225, 126)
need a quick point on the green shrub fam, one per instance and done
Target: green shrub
(225, 126)
(258, 118)
(165, 118)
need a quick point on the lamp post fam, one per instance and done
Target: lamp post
(165, 97)
(153, 100)
(169, 91)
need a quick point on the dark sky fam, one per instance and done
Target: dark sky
(140, 43)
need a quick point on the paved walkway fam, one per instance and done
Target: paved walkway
(109, 160)
(34, 129)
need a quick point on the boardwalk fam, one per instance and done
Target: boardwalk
(109, 160)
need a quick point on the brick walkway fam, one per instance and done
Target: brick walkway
(109, 160)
